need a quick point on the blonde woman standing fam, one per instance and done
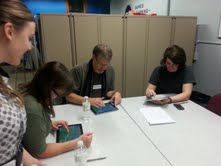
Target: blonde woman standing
(17, 27)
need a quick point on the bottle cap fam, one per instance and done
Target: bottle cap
(80, 143)
(86, 97)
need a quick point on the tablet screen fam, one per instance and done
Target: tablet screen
(156, 97)
(107, 108)
(75, 131)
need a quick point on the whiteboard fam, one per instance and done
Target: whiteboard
(159, 7)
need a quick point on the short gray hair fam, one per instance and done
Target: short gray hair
(102, 51)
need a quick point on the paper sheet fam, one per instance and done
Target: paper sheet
(156, 115)
(96, 152)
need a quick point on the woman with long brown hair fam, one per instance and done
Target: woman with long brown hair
(52, 80)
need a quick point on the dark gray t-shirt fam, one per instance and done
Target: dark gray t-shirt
(167, 82)
(79, 73)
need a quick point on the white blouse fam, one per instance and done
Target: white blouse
(12, 126)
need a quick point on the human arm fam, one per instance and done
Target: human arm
(54, 149)
(115, 97)
(56, 124)
(153, 82)
(38, 128)
(150, 91)
(74, 98)
(187, 87)
(77, 99)
(29, 160)
(79, 75)
(35, 139)
(184, 95)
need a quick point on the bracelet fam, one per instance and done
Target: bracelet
(170, 100)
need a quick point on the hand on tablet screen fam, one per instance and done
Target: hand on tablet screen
(107, 108)
(75, 131)
(150, 93)
(160, 102)
(97, 102)
(57, 124)
(116, 98)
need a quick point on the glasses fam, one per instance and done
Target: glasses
(100, 65)
(56, 93)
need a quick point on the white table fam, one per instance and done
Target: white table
(194, 140)
(121, 139)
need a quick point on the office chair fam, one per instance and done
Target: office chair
(214, 104)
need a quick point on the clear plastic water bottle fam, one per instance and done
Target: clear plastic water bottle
(81, 154)
(86, 105)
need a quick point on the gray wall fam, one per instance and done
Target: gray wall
(207, 68)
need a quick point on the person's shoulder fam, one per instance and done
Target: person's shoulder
(32, 105)
(30, 99)
(110, 67)
(188, 69)
(82, 65)
(159, 68)
(79, 67)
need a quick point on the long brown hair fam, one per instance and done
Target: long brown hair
(51, 76)
(15, 12)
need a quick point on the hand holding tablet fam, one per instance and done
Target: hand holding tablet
(107, 108)
(63, 135)
(159, 99)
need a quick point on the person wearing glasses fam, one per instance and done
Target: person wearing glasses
(95, 79)
(51, 81)
(173, 76)
(17, 27)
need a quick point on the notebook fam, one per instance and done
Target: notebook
(156, 115)
(96, 152)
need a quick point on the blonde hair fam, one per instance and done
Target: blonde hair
(15, 12)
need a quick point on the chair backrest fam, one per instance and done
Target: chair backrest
(214, 104)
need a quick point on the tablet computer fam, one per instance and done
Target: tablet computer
(75, 131)
(107, 108)
(156, 97)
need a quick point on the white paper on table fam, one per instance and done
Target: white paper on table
(156, 115)
(96, 152)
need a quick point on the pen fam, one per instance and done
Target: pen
(101, 158)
